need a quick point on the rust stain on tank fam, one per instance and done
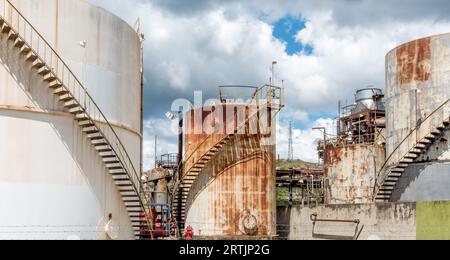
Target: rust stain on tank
(242, 191)
(414, 61)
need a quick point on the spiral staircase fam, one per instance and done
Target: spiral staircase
(410, 149)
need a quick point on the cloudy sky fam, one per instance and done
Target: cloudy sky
(325, 51)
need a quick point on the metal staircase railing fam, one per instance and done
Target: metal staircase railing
(77, 100)
(412, 145)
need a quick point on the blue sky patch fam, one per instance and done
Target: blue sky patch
(286, 29)
(312, 118)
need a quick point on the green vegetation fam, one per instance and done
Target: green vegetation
(286, 165)
(283, 196)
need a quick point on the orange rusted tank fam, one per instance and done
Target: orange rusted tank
(234, 194)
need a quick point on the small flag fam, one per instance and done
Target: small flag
(170, 116)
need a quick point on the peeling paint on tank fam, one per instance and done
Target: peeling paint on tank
(239, 182)
(414, 61)
(351, 177)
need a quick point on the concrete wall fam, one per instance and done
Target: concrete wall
(53, 184)
(391, 221)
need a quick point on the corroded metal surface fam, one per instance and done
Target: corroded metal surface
(417, 83)
(351, 171)
(234, 195)
(413, 61)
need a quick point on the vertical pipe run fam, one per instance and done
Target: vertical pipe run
(181, 167)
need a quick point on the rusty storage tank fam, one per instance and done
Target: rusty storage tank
(234, 195)
(53, 182)
(352, 160)
(156, 182)
(417, 89)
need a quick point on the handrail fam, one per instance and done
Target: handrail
(65, 77)
(414, 130)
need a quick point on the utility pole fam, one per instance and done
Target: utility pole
(156, 151)
(291, 146)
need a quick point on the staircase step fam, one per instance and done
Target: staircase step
(392, 179)
(96, 137)
(108, 156)
(127, 190)
(25, 50)
(55, 84)
(111, 160)
(12, 36)
(395, 174)
(104, 149)
(430, 137)
(76, 111)
(402, 165)
(6, 28)
(50, 77)
(44, 71)
(121, 179)
(425, 141)
(436, 132)
(38, 65)
(61, 91)
(31, 57)
(136, 211)
(19, 43)
(112, 164)
(130, 196)
(416, 151)
(86, 123)
(82, 117)
(66, 97)
(406, 161)
(411, 156)
(390, 184)
(90, 130)
(71, 104)
(104, 143)
(421, 146)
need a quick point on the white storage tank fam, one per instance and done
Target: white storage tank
(53, 183)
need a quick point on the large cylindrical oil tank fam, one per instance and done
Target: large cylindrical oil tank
(418, 83)
(53, 184)
(234, 195)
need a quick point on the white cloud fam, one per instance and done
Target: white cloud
(227, 42)
(304, 141)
